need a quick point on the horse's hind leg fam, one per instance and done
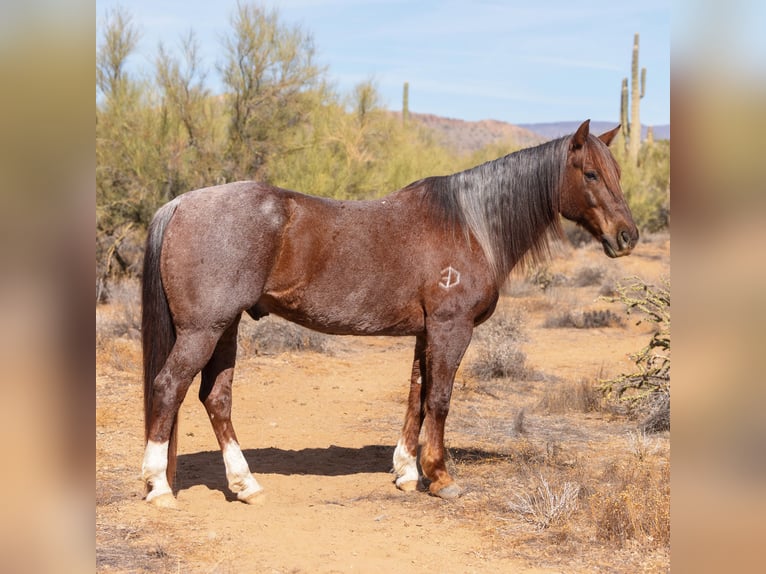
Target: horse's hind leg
(405, 455)
(215, 394)
(189, 354)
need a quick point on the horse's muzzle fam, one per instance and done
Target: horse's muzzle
(622, 244)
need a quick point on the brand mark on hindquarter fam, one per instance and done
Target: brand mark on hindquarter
(449, 278)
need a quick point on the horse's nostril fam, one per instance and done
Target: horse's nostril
(624, 239)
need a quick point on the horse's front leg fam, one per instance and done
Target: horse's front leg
(446, 343)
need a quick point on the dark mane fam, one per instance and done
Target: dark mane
(510, 205)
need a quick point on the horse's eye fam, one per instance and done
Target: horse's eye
(591, 175)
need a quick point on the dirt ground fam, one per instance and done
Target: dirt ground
(318, 431)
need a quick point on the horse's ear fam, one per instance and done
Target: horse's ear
(580, 136)
(607, 137)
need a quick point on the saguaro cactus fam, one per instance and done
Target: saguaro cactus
(634, 142)
(406, 103)
(624, 124)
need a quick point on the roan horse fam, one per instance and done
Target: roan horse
(426, 261)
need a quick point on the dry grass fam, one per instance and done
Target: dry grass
(122, 316)
(632, 503)
(568, 396)
(118, 328)
(553, 487)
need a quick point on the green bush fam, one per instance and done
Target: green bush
(647, 186)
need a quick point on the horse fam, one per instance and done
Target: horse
(425, 261)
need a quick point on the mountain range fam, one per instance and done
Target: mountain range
(468, 136)
(557, 129)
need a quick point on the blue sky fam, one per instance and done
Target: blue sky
(515, 61)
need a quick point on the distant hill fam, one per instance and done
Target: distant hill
(466, 137)
(557, 129)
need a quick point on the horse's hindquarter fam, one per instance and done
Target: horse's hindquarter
(372, 267)
(218, 250)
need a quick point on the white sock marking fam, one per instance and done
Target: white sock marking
(241, 481)
(154, 469)
(405, 464)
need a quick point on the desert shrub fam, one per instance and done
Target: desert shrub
(633, 503)
(581, 396)
(578, 319)
(271, 335)
(647, 186)
(588, 276)
(498, 350)
(642, 445)
(122, 317)
(646, 391)
(499, 359)
(544, 277)
(118, 328)
(608, 288)
(546, 505)
(656, 409)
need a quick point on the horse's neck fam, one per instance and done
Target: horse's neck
(507, 204)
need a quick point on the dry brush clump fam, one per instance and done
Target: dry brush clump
(626, 499)
(584, 319)
(121, 317)
(498, 350)
(632, 502)
(118, 328)
(589, 275)
(572, 396)
(547, 504)
(272, 335)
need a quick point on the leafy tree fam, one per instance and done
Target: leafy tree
(119, 114)
(267, 70)
(119, 41)
(189, 117)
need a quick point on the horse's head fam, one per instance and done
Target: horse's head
(591, 195)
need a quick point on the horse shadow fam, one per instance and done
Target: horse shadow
(206, 468)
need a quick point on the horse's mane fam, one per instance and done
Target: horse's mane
(510, 205)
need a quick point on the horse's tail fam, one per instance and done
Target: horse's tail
(157, 331)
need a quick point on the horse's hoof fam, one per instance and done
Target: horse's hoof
(256, 498)
(408, 486)
(164, 500)
(449, 492)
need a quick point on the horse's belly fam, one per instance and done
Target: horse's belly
(348, 310)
